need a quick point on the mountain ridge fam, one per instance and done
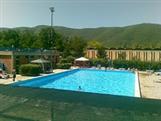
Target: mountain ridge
(145, 35)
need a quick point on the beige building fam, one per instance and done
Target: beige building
(142, 55)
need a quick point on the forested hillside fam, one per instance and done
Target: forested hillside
(141, 36)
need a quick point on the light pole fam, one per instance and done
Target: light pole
(51, 35)
(52, 13)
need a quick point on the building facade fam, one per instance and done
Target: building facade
(12, 59)
(142, 55)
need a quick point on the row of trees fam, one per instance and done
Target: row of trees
(74, 46)
(68, 46)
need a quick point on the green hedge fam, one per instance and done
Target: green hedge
(140, 65)
(102, 62)
(64, 65)
(30, 70)
(69, 59)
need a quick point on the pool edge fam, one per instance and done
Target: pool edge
(137, 85)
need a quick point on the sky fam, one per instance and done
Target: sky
(79, 13)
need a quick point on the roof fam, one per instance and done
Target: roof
(24, 49)
(40, 61)
(82, 59)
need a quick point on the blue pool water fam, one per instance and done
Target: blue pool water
(88, 80)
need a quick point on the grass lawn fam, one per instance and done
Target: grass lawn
(27, 104)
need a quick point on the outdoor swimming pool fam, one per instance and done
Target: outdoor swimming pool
(88, 80)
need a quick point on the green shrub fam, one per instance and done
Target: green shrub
(63, 60)
(64, 65)
(70, 59)
(140, 65)
(102, 62)
(30, 70)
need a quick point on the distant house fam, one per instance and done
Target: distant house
(13, 58)
(142, 55)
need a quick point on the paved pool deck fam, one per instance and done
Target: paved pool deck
(150, 84)
(22, 78)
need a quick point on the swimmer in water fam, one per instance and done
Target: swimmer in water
(79, 88)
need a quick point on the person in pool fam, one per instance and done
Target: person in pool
(79, 88)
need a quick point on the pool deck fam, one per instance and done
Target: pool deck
(137, 86)
(150, 84)
(22, 78)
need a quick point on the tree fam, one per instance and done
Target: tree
(94, 44)
(98, 46)
(27, 39)
(75, 47)
(101, 52)
(9, 38)
(45, 38)
(59, 42)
